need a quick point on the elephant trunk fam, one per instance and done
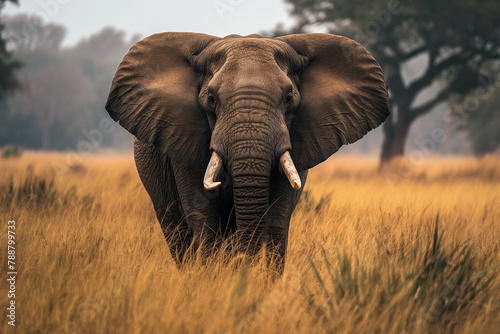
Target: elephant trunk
(251, 163)
(250, 144)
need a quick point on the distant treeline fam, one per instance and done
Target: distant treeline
(63, 90)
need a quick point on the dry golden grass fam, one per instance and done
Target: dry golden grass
(92, 259)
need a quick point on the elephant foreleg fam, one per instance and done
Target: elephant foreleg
(156, 173)
(201, 209)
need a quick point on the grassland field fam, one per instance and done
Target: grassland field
(364, 254)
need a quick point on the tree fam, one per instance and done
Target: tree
(109, 45)
(63, 89)
(52, 93)
(8, 66)
(456, 38)
(29, 32)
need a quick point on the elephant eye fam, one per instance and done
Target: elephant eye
(211, 101)
(289, 98)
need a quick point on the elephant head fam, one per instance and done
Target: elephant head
(248, 104)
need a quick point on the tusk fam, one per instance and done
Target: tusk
(290, 171)
(213, 170)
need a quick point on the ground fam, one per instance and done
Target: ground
(364, 254)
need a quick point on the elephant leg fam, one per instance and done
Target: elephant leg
(156, 173)
(283, 200)
(201, 207)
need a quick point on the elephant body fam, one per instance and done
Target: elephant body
(227, 128)
(184, 208)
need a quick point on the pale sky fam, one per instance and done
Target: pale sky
(215, 17)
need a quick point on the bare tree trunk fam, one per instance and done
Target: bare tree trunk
(388, 129)
(395, 133)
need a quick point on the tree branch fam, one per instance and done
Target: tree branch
(434, 71)
(405, 56)
(441, 97)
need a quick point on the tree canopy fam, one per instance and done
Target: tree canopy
(456, 39)
(29, 32)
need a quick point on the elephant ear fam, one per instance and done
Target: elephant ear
(343, 96)
(154, 96)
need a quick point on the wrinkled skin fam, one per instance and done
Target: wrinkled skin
(250, 100)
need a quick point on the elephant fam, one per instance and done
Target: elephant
(226, 129)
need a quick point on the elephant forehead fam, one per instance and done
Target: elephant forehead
(242, 61)
(241, 71)
(246, 44)
(262, 50)
(235, 48)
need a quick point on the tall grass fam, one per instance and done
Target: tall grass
(368, 253)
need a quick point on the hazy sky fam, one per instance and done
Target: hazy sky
(215, 17)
